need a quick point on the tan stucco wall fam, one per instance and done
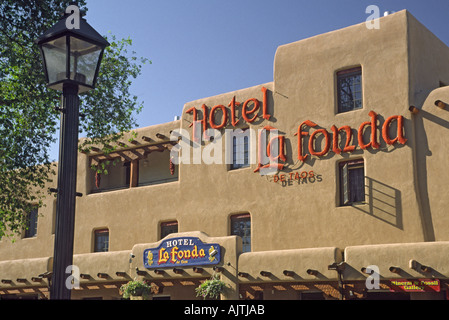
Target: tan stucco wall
(382, 54)
(304, 89)
(432, 128)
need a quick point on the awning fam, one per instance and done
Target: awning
(306, 265)
(401, 260)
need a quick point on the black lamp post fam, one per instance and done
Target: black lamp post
(71, 60)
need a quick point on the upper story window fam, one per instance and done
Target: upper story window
(168, 228)
(352, 182)
(349, 89)
(241, 226)
(31, 224)
(101, 240)
(240, 150)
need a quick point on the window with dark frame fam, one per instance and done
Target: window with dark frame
(349, 87)
(241, 226)
(168, 228)
(352, 182)
(31, 224)
(101, 240)
(240, 151)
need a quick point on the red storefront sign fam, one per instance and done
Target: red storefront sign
(415, 285)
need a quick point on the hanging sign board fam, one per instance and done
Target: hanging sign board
(180, 252)
(415, 285)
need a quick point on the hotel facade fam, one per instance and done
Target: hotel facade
(326, 183)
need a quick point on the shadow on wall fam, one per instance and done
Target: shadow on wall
(423, 152)
(384, 202)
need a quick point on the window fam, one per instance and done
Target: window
(241, 226)
(352, 182)
(240, 150)
(101, 240)
(31, 224)
(349, 87)
(168, 227)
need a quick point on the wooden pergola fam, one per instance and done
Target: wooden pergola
(132, 154)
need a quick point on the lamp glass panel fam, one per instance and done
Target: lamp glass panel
(84, 57)
(55, 59)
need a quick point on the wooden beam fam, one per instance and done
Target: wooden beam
(94, 161)
(158, 148)
(134, 153)
(168, 146)
(125, 156)
(101, 157)
(121, 274)
(139, 152)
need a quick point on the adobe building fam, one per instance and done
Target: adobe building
(327, 183)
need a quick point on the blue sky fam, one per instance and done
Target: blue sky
(201, 48)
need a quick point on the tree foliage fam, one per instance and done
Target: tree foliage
(28, 120)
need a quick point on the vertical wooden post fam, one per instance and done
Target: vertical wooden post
(134, 173)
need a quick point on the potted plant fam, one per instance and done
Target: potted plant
(136, 290)
(211, 288)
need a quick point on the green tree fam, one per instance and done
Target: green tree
(28, 120)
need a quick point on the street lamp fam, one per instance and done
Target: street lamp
(71, 59)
